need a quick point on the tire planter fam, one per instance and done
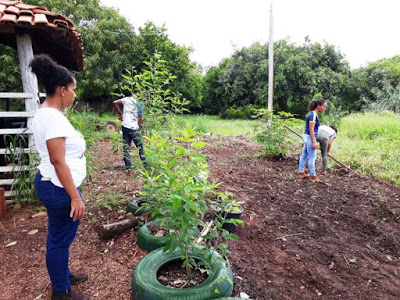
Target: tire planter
(232, 215)
(147, 241)
(145, 285)
(134, 205)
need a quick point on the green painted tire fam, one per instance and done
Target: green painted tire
(134, 205)
(145, 285)
(146, 241)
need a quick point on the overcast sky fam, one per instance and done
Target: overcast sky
(363, 30)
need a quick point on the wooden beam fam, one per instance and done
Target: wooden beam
(16, 95)
(16, 168)
(13, 114)
(25, 150)
(10, 194)
(29, 80)
(3, 206)
(16, 131)
(7, 181)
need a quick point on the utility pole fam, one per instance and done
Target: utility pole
(271, 65)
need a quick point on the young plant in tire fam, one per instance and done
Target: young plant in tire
(217, 237)
(175, 186)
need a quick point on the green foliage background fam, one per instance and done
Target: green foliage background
(113, 45)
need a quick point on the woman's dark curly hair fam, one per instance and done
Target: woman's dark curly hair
(315, 103)
(50, 74)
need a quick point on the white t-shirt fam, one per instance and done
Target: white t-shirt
(329, 130)
(132, 109)
(49, 123)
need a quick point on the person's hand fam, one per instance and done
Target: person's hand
(77, 209)
(120, 117)
(315, 145)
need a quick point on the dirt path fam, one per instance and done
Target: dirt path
(301, 240)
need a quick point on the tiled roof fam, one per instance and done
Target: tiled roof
(51, 32)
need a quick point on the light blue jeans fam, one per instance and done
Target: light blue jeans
(308, 153)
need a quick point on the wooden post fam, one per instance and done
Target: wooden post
(271, 66)
(3, 206)
(29, 80)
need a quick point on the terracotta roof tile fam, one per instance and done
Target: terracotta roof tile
(28, 6)
(8, 18)
(8, 3)
(25, 19)
(51, 32)
(40, 19)
(26, 12)
(12, 10)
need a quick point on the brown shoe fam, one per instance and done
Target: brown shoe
(70, 296)
(314, 179)
(78, 278)
(303, 175)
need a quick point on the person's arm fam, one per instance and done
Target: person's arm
(331, 139)
(116, 105)
(56, 148)
(311, 126)
(140, 122)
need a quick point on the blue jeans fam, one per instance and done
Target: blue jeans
(61, 232)
(308, 153)
(130, 135)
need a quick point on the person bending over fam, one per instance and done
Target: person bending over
(310, 135)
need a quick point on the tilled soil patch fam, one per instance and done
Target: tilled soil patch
(335, 240)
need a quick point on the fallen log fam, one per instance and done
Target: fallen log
(109, 231)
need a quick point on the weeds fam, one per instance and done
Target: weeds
(24, 169)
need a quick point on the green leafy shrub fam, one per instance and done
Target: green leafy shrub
(152, 88)
(247, 112)
(24, 169)
(178, 192)
(276, 139)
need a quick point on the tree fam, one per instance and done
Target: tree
(153, 39)
(300, 73)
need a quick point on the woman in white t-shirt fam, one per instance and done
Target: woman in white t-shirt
(62, 169)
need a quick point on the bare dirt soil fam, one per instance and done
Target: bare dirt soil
(302, 240)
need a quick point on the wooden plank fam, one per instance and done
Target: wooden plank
(13, 114)
(26, 150)
(3, 206)
(29, 80)
(10, 194)
(7, 181)
(15, 131)
(16, 95)
(20, 95)
(17, 168)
